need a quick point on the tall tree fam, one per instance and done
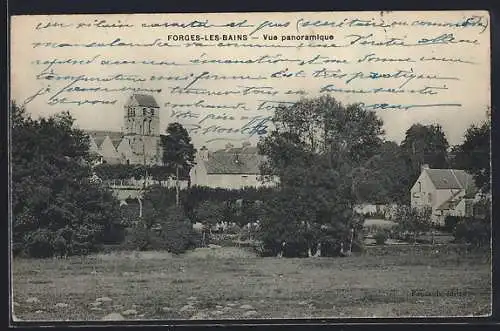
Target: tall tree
(56, 207)
(384, 177)
(473, 154)
(178, 153)
(315, 150)
(425, 144)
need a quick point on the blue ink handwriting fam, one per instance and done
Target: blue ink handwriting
(376, 106)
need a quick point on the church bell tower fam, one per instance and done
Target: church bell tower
(142, 129)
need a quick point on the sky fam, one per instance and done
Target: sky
(426, 67)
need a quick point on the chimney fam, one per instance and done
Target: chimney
(424, 166)
(203, 153)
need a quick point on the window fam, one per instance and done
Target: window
(144, 111)
(128, 161)
(430, 197)
(419, 186)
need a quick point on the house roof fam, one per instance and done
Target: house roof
(144, 100)
(450, 179)
(451, 204)
(447, 205)
(234, 161)
(99, 136)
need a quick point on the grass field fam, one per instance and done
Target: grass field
(231, 283)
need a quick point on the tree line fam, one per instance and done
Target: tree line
(328, 157)
(57, 208)
(60, 208)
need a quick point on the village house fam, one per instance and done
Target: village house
(445, 191)
(229, 168)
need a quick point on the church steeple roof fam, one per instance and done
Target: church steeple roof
(143, 100)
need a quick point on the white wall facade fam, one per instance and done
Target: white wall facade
(108, 152)
(231, 181)
(200, 177)
(425, 194)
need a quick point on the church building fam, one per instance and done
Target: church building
(139, 140)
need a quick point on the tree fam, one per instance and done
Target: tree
(177, 232)
(57, 208)
(316, 149)
(178, 153)
(424, 144)
(473, 154)
(108, 171)
(384, 177)
(159, 197)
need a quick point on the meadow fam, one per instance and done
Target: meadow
(233, 283)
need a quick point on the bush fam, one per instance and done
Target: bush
(412, 222)
(43, 243)
(170, 231)
(179, 237)
(475, 231)
(17, 249)
(232, 229)
(450, 223)
(38, 244)
(380, 237)
(140, 238)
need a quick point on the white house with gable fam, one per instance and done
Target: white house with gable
(445, 191)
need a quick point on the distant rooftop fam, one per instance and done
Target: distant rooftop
(99, 136)
(234, 160)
